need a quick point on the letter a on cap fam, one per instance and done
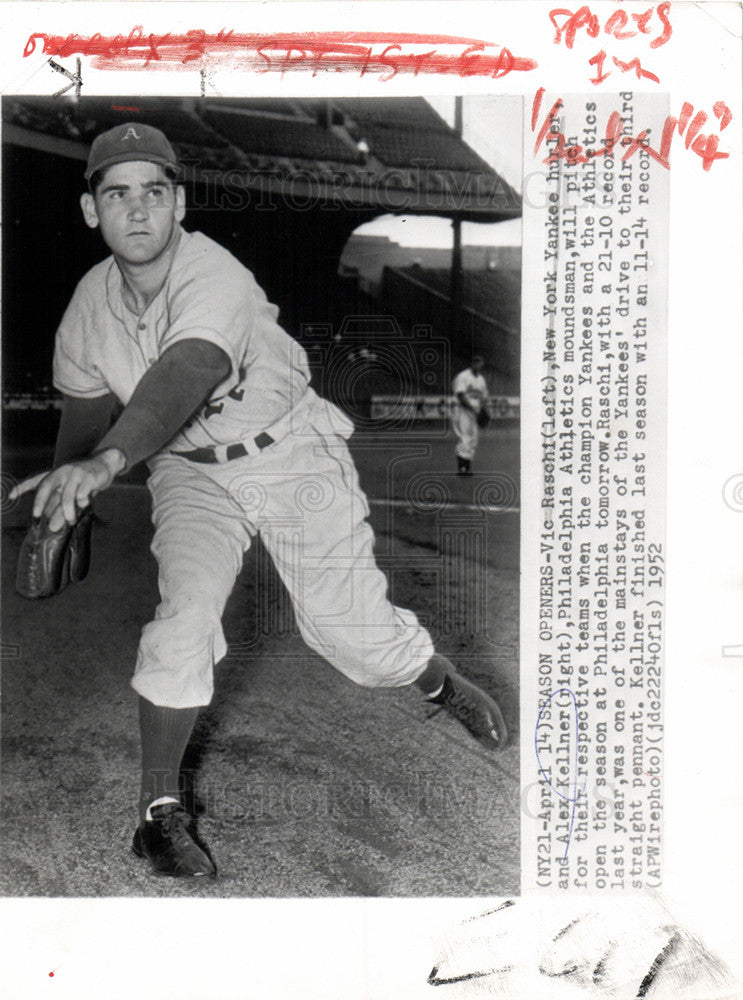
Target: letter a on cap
(141, 142)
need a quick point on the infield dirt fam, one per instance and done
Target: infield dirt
(303, 784)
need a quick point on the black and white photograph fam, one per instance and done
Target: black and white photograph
(370, 501)
(261, 496)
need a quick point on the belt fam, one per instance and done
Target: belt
(227, 452)
(214, 453)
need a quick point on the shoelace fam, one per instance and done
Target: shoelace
(467, 713)
(173, 826)
(461, 707)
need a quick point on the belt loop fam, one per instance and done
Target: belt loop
(253, 445)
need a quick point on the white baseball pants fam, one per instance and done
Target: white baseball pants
(302, 494)
(464, 425)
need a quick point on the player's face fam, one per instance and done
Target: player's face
(137, 208)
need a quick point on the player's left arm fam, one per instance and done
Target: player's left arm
(167, 395)
(485, 397)
(83, 423)
(465, 403)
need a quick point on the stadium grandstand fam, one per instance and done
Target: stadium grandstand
(282, 184)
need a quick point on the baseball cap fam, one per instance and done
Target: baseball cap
(131, 141)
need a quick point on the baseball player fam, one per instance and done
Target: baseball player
(174, 334)
(470, 412)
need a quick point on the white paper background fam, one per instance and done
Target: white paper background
(384, 949)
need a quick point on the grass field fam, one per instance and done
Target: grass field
(304, 784)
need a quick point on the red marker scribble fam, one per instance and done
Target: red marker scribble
(723, 112)
(642, 74)
(363, 52)
(615, 26)
(619, 25)
(705, 146)
(598, 61)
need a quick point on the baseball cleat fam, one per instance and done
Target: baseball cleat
(475, 709)
(168, 845)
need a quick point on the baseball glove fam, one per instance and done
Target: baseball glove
(483, 418)
(49, 560)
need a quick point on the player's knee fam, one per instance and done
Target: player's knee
(374, 664)
(187, 607)
(184, 629)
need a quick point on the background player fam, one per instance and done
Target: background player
(215, 397)
(471, 391)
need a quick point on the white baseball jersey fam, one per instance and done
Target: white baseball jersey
(103, 346)
(205, 515)
(474, 387)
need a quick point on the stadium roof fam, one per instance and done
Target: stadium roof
(394, 154)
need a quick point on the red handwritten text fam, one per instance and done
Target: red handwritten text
(687, 125)
(625, 67)
(616, 24)
(619, 25)
(385, 53)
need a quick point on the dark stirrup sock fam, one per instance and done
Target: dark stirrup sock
(165, 733)
(432, 679)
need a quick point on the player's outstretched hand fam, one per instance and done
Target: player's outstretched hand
(66, 491)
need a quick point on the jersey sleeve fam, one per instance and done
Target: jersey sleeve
(74, 369)
(461, 383)
(216, 304)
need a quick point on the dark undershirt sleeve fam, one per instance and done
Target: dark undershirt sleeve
(167, 395)
(82, 425)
